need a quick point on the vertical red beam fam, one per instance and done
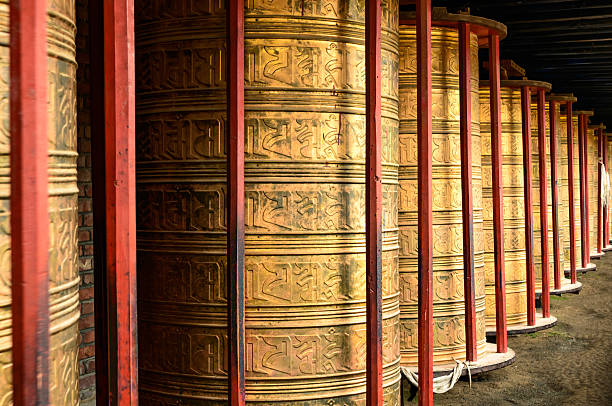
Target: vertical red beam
(425, 191)
(29, 205)
(554, 179)
(527, 181)
(570, 181)
(543, 204)
(465, 97)
(374, 377)
(235, 201)
(599, 186)
(586, 256)
(119, 110)
(498, 194)
(606, 225)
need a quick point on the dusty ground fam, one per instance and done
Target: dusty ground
(570, 364)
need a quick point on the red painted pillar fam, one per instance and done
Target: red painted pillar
(498, 207)
(425, 216)
(29, 205)
(570, 181)
(606, 211)
(583, 198)
(554, 179)
(120, 199)
(466, 189)
(235, 201)
(543, 204)
(599, 186)
(374, 389)
(527, 181)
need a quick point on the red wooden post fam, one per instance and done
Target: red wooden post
(543, 204)
(374, 373)
(570, 181)
(466, 189)
(425, 192)
(606, 225)
(29, 204)
(599, 186)
(498, 208)
(555, 191)
(586, 256)
(527, 181)
(119, 100)
(235, 201)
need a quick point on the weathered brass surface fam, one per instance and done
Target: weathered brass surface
(562, 207)
(513, 202)
(63, 194)
(304, 210)
(592, 173)
(449, 310)
(564, 192)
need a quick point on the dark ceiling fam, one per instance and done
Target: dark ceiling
(565, 42)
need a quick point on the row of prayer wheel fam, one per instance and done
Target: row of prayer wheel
(304, 202)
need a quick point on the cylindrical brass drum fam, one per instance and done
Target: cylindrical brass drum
(609, 167)
(304, 210)
(513, 203)
(564, 192)
(535, 187)
(63, 220)
(593, 176)
(449, 308)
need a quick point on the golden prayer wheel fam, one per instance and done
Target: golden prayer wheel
(513, 204)
(563, 210)
(609, 166)
(448, 291)
(593, 185)
(63, 220)
(535, 187)
(304, 203)
(564, 196)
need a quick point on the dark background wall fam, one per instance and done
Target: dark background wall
(565, 42)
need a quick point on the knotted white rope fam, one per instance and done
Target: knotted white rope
(605, 184)
(444, 383)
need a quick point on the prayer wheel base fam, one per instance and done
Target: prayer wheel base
(488, 361)
(597, 255)
(607, 248)
(540, 324)
(569, 288)
(589, 268)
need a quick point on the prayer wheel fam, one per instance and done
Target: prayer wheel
(563, 210)
(593, 173)
(64, 308)
(513, 204)
(304, 203)
(564, 193)
(448, 293)
(535, 187)
(609, 147)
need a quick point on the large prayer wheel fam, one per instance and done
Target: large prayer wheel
(513, 205)
(565, 193)
(304, 211)
(563, 210)
(593, 173)
(63, 195)
(448, 300)
(535, 187)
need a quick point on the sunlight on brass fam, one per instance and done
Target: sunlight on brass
(64, 307)
(304, 208)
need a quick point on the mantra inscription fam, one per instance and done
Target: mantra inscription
(304, 202)
(449, 311)
(513, 206)
(64, 307)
